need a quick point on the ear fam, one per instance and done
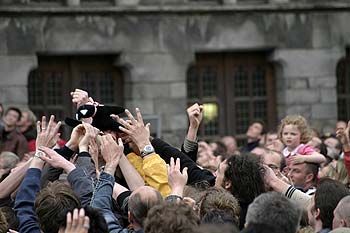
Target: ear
(227, 185)
(130, 217)
(317, 214)
(343, 223)
(309, 178)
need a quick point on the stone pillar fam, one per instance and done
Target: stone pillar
(14, 79)
(157, 85)
(307, 85)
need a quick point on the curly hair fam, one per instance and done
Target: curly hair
(300, 122)
(216, 198)
(3, 223)
(52, 205)
(171, 217)
(246, 175)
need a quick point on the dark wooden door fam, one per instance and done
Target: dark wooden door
(242, 86)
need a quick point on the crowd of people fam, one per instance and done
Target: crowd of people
(110, 175)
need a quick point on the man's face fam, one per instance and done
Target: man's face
(273, 160)
(297, 174)
(24, 120)
(337, 219)
(254, 131)
(311, 212)
(341, 125)
(258, 151)
(331, 142)
(270, 138)
(220, 174)
(230, 144)
(11, 118)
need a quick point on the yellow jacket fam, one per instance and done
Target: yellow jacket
(153, 170)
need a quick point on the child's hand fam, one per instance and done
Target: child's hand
(297, 159)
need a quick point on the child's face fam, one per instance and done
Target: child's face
(291, 136)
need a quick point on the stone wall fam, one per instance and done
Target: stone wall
(157, 45)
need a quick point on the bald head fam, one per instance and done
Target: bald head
(141, 201)
(230, 143)
(342, 213)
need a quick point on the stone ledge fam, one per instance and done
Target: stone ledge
(174, 9)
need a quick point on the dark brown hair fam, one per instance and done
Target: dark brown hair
(52, 205)
(171, 217)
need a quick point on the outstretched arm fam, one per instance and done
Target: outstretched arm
(195, 174)
(344, 137)
(154, 168)
(24, 204)
(102, 199)
(190, 145)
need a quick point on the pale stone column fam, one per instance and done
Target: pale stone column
(14, 79)
(157, 85)
(307, 84)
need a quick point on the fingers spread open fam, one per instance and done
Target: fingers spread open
(139, 116)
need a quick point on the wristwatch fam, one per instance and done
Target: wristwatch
(147, 150)
(39, 154)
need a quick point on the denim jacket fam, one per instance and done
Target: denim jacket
(102, 199)
(24, 204)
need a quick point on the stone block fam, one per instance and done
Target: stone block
(150, 90)
(178, 122)
(155, 68)
(170, 106)
(174, 138)
(13, 95)
(302, 96)
(321, 35)
(178, 90)
(307, 62)
(4, 22)
(323, 82)
(146, 106)
(296, 83)
(15, 69)
(324, 111)
(328, 95)
(23, 35)
(304, 110)
(103, 33)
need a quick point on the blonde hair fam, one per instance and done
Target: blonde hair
(300, 122)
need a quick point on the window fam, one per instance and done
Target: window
(235, 89)
(49, 86)
(343, 87)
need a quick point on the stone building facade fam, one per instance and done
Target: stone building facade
(153, 43)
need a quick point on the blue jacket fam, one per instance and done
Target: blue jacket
(102, 199)
(24, 204)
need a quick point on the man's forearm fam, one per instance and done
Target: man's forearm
(13, 180)
(192, 133)
(132, 177)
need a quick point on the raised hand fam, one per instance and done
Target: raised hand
(136, 129)
(56, 160)
(90, 132)
(195, 115)
(176, 179)
(343, 136)
(297, 159)
(79, 97)
(111, 152)
(94, 153)
(47, 135)
(78, 223)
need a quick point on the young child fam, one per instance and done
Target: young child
(295, 133)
